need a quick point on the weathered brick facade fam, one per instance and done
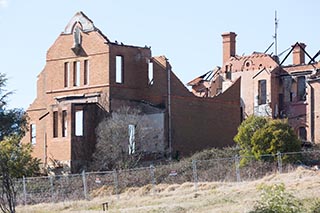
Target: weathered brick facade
(269, 88)
(86, 76)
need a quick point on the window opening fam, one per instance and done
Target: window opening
(150, 72)
(302, 133)
(86, 73)
(77, 37)
(262, 92)
(64, 124)
(301, 88)
(79, 123)
(228, 72)
(76, 73)
(66, 74)
(119, 69)
(33, 134)
(55, 124)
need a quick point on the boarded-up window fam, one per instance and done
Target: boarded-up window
(301, 88)
(262, 92)
(119, 69)
(86, 73)
(55, 124)
(33, 133)
(64, 123)
(76, 73)
(79, 123)
(66, 74)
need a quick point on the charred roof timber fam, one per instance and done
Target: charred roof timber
(302, 48)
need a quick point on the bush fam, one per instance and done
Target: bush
(259, 136)
(315, 208)
(274, 199)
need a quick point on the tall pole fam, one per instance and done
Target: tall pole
(276, 21)
(169, 108)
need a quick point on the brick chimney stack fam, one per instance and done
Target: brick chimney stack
(298, 54)
(229, 45)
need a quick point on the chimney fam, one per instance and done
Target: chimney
(298, 53)
(229, 45)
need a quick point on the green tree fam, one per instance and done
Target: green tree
(245, 132)
(275, 136)
(15, 158)
(259, 136)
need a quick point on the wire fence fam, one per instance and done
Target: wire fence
(33, 190)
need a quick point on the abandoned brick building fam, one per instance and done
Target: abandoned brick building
(87, 75)
(268, 87)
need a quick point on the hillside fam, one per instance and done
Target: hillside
(211, 197)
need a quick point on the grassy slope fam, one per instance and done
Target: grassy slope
(210, 197)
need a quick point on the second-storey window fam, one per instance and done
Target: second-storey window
(66, 74)
(150, 72)
(86, 72)
(76, 73)
(301, 88)
(119, 69)
(262, 92)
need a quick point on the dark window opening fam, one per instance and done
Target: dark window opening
(86, 73)
(262, 92)
(55, 124)
(64, 123)
(228, 72)
(66, 74)
(302, 133)
(301, 88)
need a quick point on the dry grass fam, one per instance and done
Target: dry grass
(210, 197)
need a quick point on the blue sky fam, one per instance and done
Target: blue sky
(187, 32)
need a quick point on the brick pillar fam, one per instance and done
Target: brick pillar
(298, 53)
(228, 45)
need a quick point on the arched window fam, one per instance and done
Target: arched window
(77, 37)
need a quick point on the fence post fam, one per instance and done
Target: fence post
(237, 163)
(195, 174)
(84, 180)
(51, 188)
(153, 181)
(116, 184)
(24, 190)
(279, 162)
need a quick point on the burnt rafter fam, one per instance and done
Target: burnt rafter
(293, 46)
(314, 57)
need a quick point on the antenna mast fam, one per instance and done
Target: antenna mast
(276, 33)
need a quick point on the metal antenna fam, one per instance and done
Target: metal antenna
(276, 21)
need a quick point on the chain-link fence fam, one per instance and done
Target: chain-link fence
(87, 185)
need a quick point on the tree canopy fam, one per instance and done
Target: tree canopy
(15, 158)
(259, 136)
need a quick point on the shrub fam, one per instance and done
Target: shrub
(274, 199)
(315, 208)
